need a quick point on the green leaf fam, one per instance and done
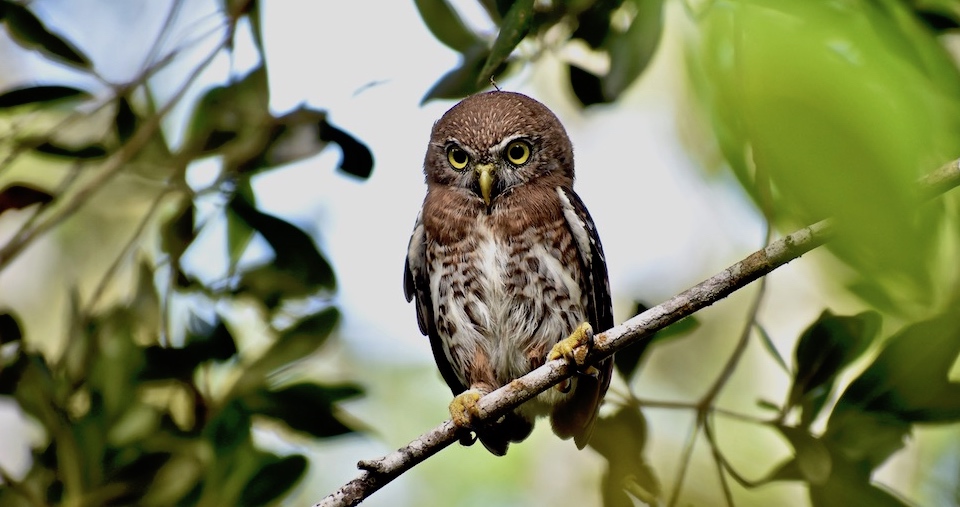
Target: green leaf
(632, 50)
(445, 24)
(826, 347)
(286, 404)
(769, 346)
(850, 485)
(621, 438)
(125, 120)
(296, 257)
(204, 342)
(357, 160)
(9, 329)
(39, 94)
(516, 23)
(812, 457)
(273, 480)
(463, 80)
(177, 233)
(93, 151)
(292, 345)
(21, 196)
(909, 379)
(28, 31)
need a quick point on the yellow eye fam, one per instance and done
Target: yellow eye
(518, 152)
(457, 157)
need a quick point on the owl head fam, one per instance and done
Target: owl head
(492, 142)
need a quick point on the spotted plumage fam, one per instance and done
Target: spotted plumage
(504, 261)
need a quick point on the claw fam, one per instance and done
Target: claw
(463, 408)
(574, 347)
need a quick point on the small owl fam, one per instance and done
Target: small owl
(506, 266)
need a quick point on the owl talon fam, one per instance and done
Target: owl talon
(574, 347)
(463, 408)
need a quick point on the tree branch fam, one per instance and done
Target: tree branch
(377, 473)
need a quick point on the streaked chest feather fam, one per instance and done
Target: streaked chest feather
(504, 301)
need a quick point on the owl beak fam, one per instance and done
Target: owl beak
(485, 177)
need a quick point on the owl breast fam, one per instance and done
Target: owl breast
(503, 301)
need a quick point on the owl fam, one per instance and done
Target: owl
(506, 267)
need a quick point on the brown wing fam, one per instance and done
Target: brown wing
(579, 413)
(416, 285)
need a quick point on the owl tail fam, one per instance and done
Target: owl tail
(510, 428)
(576, 415)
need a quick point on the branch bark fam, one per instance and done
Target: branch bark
(378, 472)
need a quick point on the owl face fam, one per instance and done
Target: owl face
(492, 142)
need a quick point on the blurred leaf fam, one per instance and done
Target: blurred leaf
(463, 80)
(770, 346)
(826, 347)
(125, 120)
(445, 24)
(513, 28)
(632, 50)
(229, 429)
(621, 439)
(92, 151)
(177, 233)
(593, 23)
(357, 159)
(909, 379)
(292, 345)
(812, 457)
(37, 94)
(628, 360)
(784, 85)
(28, 31)
(586, 86)
(235, 113)
(239, 232)
(21, 196)
(295, 254)
(9, 329)
(868, 438)
(286, 404)
(204, 342)
(850, 485)
(273, 480)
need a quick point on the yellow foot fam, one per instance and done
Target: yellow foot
(463, 408)
(574, 347)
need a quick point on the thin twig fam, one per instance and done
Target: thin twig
(379, 472)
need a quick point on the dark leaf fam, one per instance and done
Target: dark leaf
(36, 94)
(628, 360)
(9, 329)
(632, 50)
(239, 232)
(909, 378)
(287, 405)
(850, 485)
(593, 24)
(295, 253)
(177, 233)
(513, 28)
(229, 429)
(29, 31)
(586, 86)
(273, 480)
(87, 152)
(21, 196)
(621, 438)
(868, 438)
(125, 120)
(811, 455)
(445, 24)
(824, 349)
(357, 158)
(204, 343)
(292, 345)
(463, 80)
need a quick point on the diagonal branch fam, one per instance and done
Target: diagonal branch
(377, 473)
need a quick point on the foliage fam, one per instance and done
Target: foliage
(820, 109)
(138, 409)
